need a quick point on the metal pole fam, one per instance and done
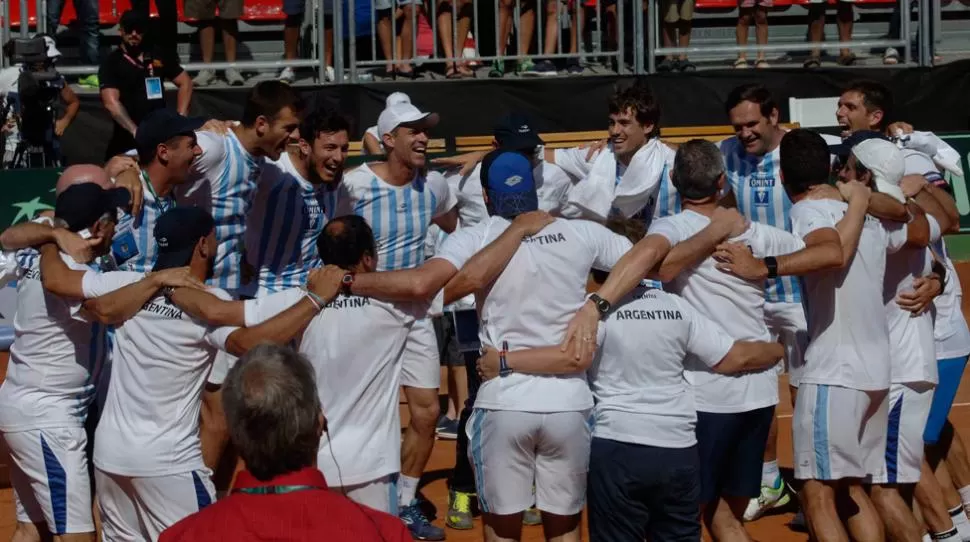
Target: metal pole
(373, 31)
(641, 46)
(905, 30)
(925, 39)
(651, 41)
(540, 26)
(620, 35)
(321, 22)
(477, 36)
(414, 38)
(24, 20)
(351, 40)
(778, 47)
(518, 32)
(41, 20)
(338, 41)
(5, 31)
(499, 48)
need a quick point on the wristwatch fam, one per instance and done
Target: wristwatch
(772, 264)
(347, 283)
(503, 363)
(602, 305)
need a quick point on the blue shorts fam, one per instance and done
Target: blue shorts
(951, 371)
(731, 448)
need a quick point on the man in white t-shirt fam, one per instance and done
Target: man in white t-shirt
(400, 202)
(644, 479)
(734, 412)
(841, 411)
(355, 347)
(149, 466)
(48, 387)
(530, 427)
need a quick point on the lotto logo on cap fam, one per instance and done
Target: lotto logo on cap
(509, 183)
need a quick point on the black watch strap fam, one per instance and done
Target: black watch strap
(772, 264)
(602, 305)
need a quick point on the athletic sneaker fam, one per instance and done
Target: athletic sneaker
(773, 496)
(459, 511)
(447, 428)
(90, 81)
(234, 78)
(420, 527)
(526, 67)
(532, 517)
(204, 78)
(287, 75)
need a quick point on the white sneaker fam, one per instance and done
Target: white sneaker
(771, 497)
(287, 75)
(330, 74)
(205, 78)
(234, 78)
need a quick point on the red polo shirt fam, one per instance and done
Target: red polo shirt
(312, 514)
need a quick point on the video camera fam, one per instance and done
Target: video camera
(39, 87)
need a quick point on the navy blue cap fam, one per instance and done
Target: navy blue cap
(843, 149)
(508, 180)
(177, 232)
(514, 131)
(160, 126)
(81, 205)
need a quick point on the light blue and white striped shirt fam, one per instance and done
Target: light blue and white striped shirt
(399, 215)
(286, 220)
(133, 245)
(223, 181)
(756, 183)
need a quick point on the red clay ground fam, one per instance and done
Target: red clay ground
(769, 529)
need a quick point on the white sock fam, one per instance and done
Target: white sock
(959, 519)
(769, 473)
(965, 495)
(951, 535)
(927, 537)
(407, 488)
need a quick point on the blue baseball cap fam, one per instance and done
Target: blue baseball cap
(509, 183)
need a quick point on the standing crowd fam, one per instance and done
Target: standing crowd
(226, 291)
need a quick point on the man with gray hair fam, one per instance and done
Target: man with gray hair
(275, 421)
(734, 411)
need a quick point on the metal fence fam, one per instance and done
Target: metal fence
(620, 36)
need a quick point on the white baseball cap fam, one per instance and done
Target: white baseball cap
(404, 114)
(395, 98)
(886, 163)
(52, 51)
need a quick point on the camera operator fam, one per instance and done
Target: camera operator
(132, 82)
(29, 91)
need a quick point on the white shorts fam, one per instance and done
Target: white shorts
(509, 451)
(786, 322)
(140, 508)
(380, 494)
(420, 365)
(839, 432)
(50, 478)
(909, 408)
(220, 367)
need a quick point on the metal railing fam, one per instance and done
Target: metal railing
(525, 17)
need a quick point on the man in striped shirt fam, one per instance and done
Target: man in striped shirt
(400, 202)
(295, 194)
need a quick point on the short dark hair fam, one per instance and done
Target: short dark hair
(345, 241)
(323, 121)
(631, 228)
(753, 93)
(805, 160)
(273, 411)
(875, 97)
(698, 165)
(638, 99)
(150, 154)
(267, 99)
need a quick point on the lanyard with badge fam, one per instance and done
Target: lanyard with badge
(158, 201)
(153, 85)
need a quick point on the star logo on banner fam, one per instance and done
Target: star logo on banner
(29, 209)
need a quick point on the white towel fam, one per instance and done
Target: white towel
(944, 156)
(596, 195)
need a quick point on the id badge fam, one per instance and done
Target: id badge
(153, 88)
(123, 247)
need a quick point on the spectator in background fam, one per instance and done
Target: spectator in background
(228, 19)
(453, 37)
(164, 34)
(526, 26)
(551, 37)
(757, 11)
(816, 30)
(276, 422)
(677, 24)
(131, 83)
(294, 11)
(87, 15)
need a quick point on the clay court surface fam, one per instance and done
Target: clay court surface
(773, 528)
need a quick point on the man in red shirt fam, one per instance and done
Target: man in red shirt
(276, 422)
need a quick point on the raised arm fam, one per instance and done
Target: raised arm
(726, 222)
(121, 304)
(419, 284)
(209, 308)
(35, 234)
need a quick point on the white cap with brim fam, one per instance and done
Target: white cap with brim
(886, 163)
(404, 115)
(395, 98)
